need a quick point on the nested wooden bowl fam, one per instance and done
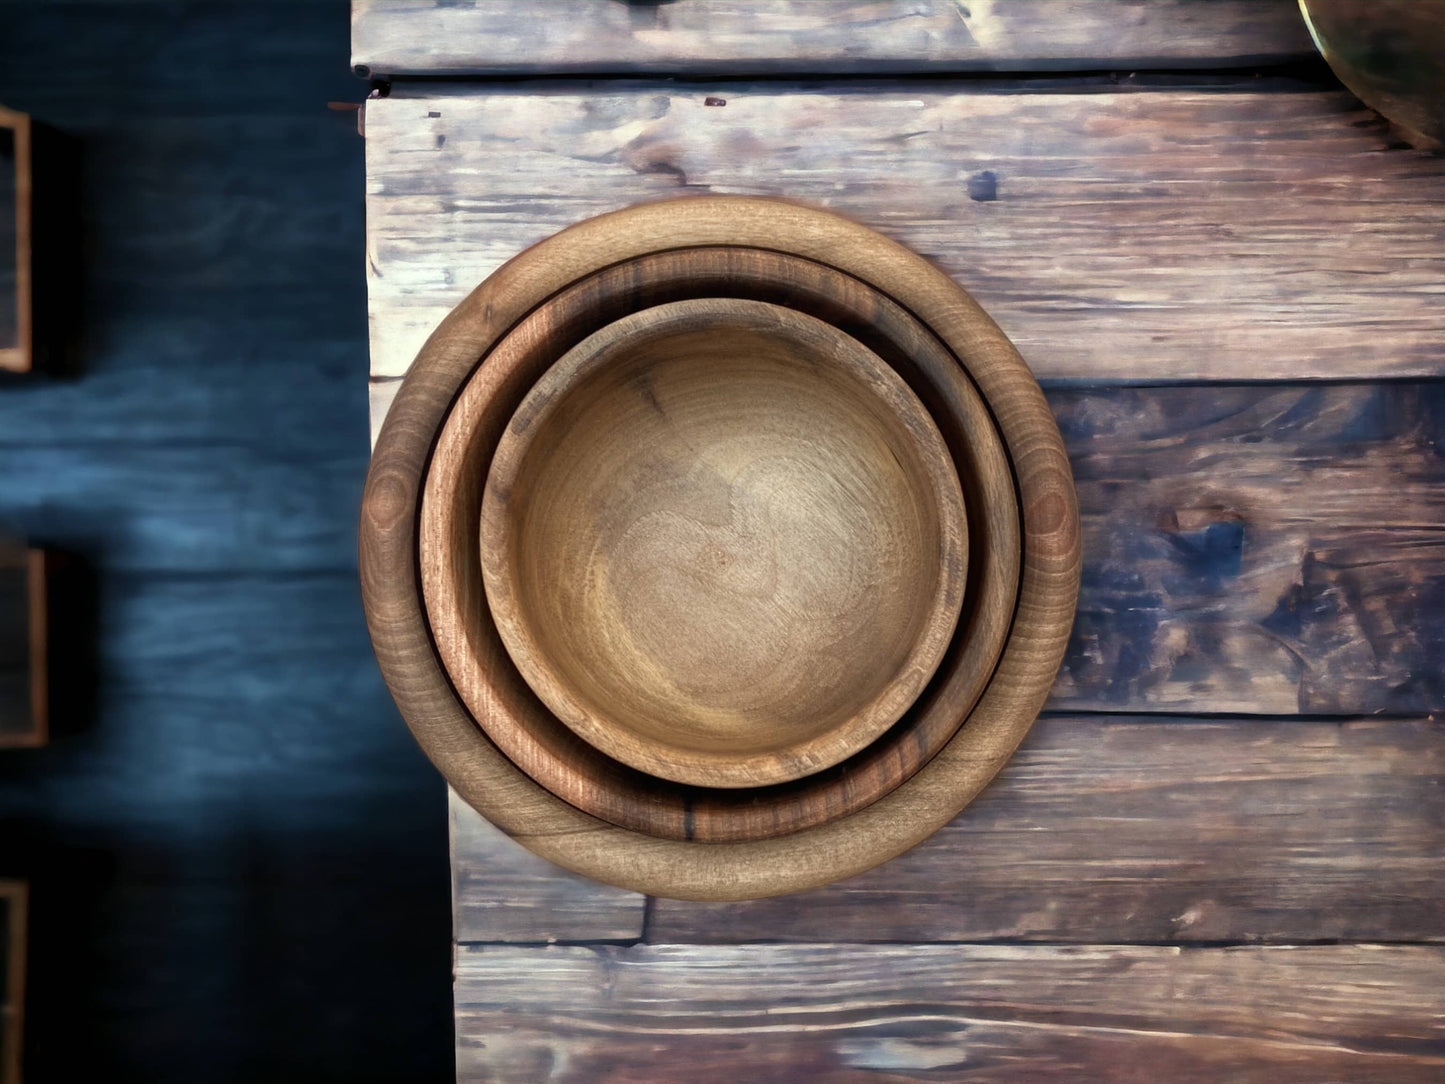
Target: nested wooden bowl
(724, 542)
(492, 688)
(431, 696)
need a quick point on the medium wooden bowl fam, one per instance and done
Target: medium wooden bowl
(559, 831)
(724, 542)
(480, 669)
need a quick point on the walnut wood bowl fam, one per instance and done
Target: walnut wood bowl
(503, 705)
(391, 555)
(724, 542)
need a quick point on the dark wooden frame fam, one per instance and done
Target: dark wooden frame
(16, 895)
(21, 358)
(32, 614)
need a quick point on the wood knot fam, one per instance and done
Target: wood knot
(1048, 513)
(387, 500)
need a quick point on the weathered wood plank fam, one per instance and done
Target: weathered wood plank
(1140, 237)
(503, 892)
(719, 36)
(951, 1012)
(1259, 548)
(1128, 829)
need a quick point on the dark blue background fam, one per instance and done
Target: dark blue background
(237, 854)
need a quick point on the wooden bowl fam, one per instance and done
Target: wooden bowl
(561, 832)
(478, 666)
(724, 542)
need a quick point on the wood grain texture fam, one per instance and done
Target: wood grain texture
(480, 669)
(724, 542)
(403, 639)
(852, 36)
(24, 707)
(505, 893)
(1140, 237)
(1168, 829)
(14, 900)
(847, 1012)
(1272, 549)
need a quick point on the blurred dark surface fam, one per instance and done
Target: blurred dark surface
(237, 855)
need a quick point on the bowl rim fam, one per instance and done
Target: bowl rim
(521, 807)
(931, 477)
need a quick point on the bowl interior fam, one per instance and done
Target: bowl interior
(715, 539)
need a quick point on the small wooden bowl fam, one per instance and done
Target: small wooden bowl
(480, 670)
(724, 542)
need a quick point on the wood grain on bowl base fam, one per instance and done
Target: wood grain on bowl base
(925, 802)
(724, 542)
(482, 672)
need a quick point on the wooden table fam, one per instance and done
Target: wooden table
(1219, 853)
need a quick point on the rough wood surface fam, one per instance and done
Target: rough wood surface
(1139, 237)
(504, 892)
(496, 36)
(1160, 829)
(724, 542)
(24, 714)
(478, 666)
(848, 1012)
(1264, 548)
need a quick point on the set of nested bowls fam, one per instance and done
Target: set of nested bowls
(718, 548)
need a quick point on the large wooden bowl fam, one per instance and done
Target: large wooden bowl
(558, 830)
(724, 542)
(481, 671)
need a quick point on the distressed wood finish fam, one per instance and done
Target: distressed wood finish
(422, 37)
(1162, 829)
(24, 715)
(505, 893)
(1271, 549)
(403, 639)
(724, 542)
(14, 899)
(847, 1012)
(1140, 237)
(481, 671)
